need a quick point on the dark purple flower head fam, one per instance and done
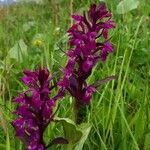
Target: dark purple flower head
(85, 32)
(89, 42)
(35, 110)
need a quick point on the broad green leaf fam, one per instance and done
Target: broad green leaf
(85, 128)
(127, 5)
(2, 147)
(19, 51)
(71, 131)
(39, 36)
(27, 26)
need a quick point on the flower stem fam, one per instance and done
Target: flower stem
(79, 112)
(69, 146)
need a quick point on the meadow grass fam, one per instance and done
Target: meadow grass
(33, 35)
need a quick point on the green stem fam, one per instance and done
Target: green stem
(79, 112)
(69, 146)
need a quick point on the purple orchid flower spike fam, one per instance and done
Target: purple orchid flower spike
(35, 110)
(89, 43)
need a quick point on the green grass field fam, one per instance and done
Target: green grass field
(31, 36)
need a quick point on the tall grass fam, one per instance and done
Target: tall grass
(120, 110)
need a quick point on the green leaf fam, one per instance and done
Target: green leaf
(72, 133)
(127, 5)
(7, 141)
(58, 140)
(85, 128)
(147, 142)
(2, 147)
(140, 124)
(27, 26)
(39, 36)
(19, 51)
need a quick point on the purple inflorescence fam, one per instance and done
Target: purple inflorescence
(35, 108)
(89, 42)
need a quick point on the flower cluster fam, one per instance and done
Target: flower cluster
(89, 42)
(35, 108)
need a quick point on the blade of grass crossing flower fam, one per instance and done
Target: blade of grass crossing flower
(7, 141)
(71, 11)
(2, 121)
(112, 88)
(46, 56)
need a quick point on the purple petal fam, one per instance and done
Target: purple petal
(105, 33)
(47, 110)
(77, 17)
(20, 99)
(107, 48)
(88, 64)
(24, 112)
(87, 94)
(19, 126)
(35, 146)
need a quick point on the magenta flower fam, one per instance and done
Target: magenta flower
(35, 110)
(89, 42)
